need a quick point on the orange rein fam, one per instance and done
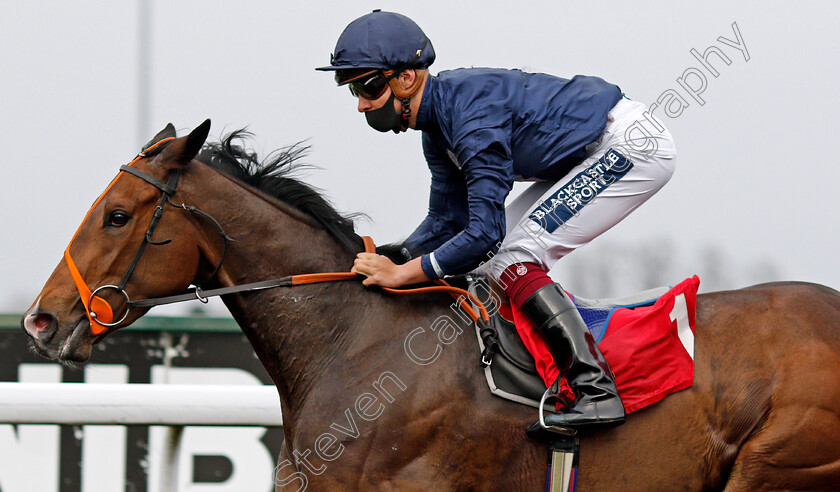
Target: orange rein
(457, 293)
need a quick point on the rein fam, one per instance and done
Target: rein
(101, 315)
(461, 295)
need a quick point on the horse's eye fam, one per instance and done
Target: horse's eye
(118, 218)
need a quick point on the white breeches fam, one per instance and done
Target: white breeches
(632, 160)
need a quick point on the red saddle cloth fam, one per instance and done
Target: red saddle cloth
(650, 349)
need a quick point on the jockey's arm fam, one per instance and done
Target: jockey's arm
(489, 179)
(480, 187)
(448, 207)
(462, 252)
(447, 216)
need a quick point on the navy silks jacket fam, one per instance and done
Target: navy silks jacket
(482, 130)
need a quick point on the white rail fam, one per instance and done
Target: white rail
(138, 404)
(170, 405)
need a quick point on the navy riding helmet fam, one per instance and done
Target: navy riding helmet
(384, 40)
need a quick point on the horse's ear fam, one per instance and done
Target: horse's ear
(185, 149)
(195, 140)
(167, 132)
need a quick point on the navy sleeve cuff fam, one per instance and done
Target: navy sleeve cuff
(426, 263)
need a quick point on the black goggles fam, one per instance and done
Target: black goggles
(369, 85)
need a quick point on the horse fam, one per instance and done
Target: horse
(363, 409)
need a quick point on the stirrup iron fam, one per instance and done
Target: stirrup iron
(556, 429)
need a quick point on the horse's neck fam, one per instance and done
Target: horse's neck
(270, 237)
(297, 332)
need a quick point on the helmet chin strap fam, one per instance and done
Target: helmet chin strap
(406, 113)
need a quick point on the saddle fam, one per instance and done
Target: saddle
(640, 325)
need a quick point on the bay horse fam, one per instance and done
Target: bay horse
(360, 413)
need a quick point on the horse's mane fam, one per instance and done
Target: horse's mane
(274, 176)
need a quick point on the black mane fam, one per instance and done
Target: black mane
(273, 176)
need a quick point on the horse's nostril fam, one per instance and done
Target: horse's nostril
(41, 321)
(42, 326)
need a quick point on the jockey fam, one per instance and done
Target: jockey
(594, 155)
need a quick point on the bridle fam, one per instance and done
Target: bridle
(101, 314)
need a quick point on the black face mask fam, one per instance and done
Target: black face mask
(385, 118)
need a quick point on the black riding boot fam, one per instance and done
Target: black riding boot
(578, 358)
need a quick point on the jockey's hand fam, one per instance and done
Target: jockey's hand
(381, 271)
